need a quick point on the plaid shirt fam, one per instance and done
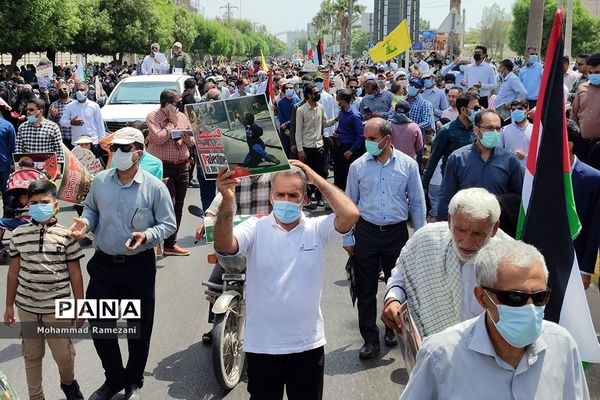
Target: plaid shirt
(64, 130)
(251, 197)
(421, 112)
(160, 143)
(45, 138)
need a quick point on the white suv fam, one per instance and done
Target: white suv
(134, 97)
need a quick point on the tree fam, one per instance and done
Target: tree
(494, 27)
(360, 42)
(96, 26)
(40, 25)
(586, 27)
(424, 24)
(534, 28)
(472, 37)
(333, 20)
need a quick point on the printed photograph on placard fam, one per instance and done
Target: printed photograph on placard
(238, 133)
(43, 162)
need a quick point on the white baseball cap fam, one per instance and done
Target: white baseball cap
(128, 135)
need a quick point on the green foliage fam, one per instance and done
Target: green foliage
(424, 24)
(493, 28)
(472, 37)
(586, 27)
(331, 20)
(108, 27)
(360, 41)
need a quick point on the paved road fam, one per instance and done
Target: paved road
(179, 366)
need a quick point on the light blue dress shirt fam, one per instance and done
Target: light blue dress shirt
(384, 193)
(438, 100)
(511, 89)
(461, 363)
(381, 104)
(531, 77)
(113, 211)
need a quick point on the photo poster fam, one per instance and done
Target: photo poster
(209, 225)
(226, 136)
(76, 180)
(44, 74)
(409, 341)
(43, 162)
(426, 40)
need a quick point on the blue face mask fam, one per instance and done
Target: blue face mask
(489, 140)
(319, 85)
(594, 79)
(533, 58)
(517, 115)
(289, 92)
(412, 91)
(428, 83)
(369, 96)
(472, 116)
(359, 91)
(373, 148)
(286, 211)
(520, 326)
(31, 118)
(41, 212)
(80, 95)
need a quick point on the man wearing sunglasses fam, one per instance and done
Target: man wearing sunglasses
(169, 139)
(130, 212)
(481, 164)
(155, 62)
(508, 351)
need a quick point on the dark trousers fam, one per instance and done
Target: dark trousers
(483, 101)
(588, 151)
(300, 373)
(285, 142)
(133, 279)
(340, 164)
(375, 247)
(207, 188)
(315, 159)
(179, 178)
(532, 103)
(4, 175)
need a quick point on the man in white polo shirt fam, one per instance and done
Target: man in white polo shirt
(284, 251)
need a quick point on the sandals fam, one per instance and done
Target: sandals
(207, 338)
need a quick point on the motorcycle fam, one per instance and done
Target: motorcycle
(229, 307)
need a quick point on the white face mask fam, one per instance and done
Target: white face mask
(122, 161)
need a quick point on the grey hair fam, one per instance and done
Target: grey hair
(499, 253)
(293, 171)
(155, 45)
(477, 203)
(384, 127)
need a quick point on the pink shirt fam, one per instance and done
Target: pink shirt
(407, 138)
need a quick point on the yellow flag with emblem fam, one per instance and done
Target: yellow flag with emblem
(263, 62)
(396, 42)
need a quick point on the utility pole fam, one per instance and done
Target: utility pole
(349, 36)
(229, 7)
(569, 28)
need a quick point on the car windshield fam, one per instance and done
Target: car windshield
(140, 92)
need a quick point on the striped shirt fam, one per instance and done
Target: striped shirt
(45, 251)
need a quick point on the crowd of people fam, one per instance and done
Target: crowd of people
(437, 147)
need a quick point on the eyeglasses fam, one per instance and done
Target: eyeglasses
(476, 108)
(497, 129)
(30, 109)
(125, 148)
(516, 298)
(155, 48)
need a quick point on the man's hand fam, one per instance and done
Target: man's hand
(200, 232)
(520, 154)
(586, 279)
(78, 229)
(348, 154)
(135, 241)
(463, 82)
(301, 156)
(53, 111)
(283, 127)
(310, 174)
(226, 183)
(477, 85)
(9, 316)
(391, 315)
(349, 250)
(76, 121)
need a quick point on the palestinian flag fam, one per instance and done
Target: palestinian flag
(320, 52)
(309, 50)
(548, 218)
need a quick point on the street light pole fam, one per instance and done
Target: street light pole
(349, 36)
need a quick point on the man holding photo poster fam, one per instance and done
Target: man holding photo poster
(169, 139)
(284, 251)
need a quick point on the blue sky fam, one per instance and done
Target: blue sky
(284, 15)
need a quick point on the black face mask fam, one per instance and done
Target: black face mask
(317, 96)
(477, 56)
(62, 94)
(26, 94)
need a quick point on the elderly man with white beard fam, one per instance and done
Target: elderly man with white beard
(435, 269)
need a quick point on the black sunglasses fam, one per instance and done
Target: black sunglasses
(125, 148)
(516, 298)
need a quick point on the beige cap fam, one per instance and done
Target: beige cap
(128, 135)
(84, 139)
(177, 44)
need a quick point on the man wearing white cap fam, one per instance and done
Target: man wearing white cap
(220, 82)
(432, 94)
(155, 62)
(130, 212)
(181, 63)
